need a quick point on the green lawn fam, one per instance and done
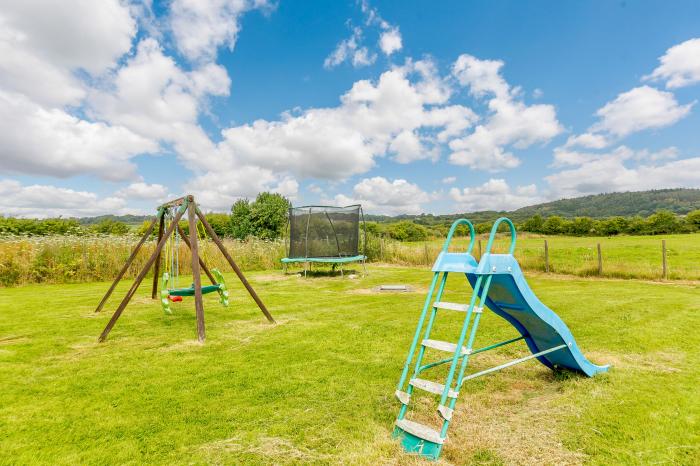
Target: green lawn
(623, 256)
(318, 386)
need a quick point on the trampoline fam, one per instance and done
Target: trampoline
(325, 234)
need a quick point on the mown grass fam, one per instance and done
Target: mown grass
(317, 388)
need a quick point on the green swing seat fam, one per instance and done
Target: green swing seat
(190, 291)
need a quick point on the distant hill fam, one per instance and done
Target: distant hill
(627, 204)
(128, 219)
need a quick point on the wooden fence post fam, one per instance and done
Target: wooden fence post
(381, 249)
(425, 251)
(663, 259)
(600, 261)
(546, 256)
(479, 249)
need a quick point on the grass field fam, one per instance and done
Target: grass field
(317, 388)
(623, 256)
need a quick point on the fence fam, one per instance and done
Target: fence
(78, 259)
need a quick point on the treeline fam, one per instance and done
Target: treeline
(266, 218)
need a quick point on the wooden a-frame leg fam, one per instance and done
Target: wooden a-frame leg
(156, 271)
(194, 246)
(234, 266)
(127, 264)
(201, 262)
(139, 278)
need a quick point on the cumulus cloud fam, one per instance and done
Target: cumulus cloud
(353, 49)
(200, 27)
(390, 40)
(52, 142)
(638, 109)
(40, 201)
(680, 65)
(379, 195)
(143, 191)
(510, 122)
(349, 49)
(495, 194)
(623, 169)
(449, 179)
(337, 142)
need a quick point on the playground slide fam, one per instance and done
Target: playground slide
(511, 297)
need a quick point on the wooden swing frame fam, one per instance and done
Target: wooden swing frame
(182, 204)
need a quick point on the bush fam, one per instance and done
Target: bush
(240, 219)
(407, 231)
(268, 215)
(111, 227)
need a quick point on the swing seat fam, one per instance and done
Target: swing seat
(190, 291)
(175, 299)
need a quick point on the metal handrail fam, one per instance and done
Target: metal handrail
(453, 228)
(494, 230)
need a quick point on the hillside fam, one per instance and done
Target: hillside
(627, 204)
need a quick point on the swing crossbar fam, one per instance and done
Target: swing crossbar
(511, 363)
(190, 291)
(480, 350)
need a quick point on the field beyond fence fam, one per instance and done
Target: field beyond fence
(65, 259)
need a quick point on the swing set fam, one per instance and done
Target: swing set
(169, 236)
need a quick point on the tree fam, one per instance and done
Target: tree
(693, 219)
(268, 215)
(407, 231)
(553, 225)
(533, 224)
(581, 226)
(111, 227)
(663, 221)
(240, 219)
(220, 223)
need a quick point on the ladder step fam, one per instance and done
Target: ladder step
(432, 387)
(420, 431)
(451, 306)
(444, 346)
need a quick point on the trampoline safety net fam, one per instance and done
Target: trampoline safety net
(324, 231)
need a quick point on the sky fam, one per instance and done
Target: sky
(113, 107)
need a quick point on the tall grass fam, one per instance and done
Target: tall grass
(70, 259)
(65, 259)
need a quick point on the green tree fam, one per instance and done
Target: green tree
(220, 223)
(553, 225)
(268, 215)
(693, 219)
(663, 221)
(240, 219)
(407, 231)
(533, 224)
(111, 227)
(581, 226)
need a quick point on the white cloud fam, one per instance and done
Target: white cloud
(143, 191)
(381, 196)
(638, 109)
(349, 49)
(200, 27)
(37, 140)
(408, 148)
(390, 41)
(510, 123)
(338, 142)
(40, 201)
(449, 179)
(495, 194)
(481, 76)
(354, 51)
(624, 170)
(70, 34)
(587, 140)
(680, 65)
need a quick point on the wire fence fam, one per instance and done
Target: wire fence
(66, 259)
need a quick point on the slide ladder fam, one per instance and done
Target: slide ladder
(498, 284)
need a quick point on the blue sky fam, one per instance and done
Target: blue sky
(406, 107)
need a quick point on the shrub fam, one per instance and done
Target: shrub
(407, 231)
